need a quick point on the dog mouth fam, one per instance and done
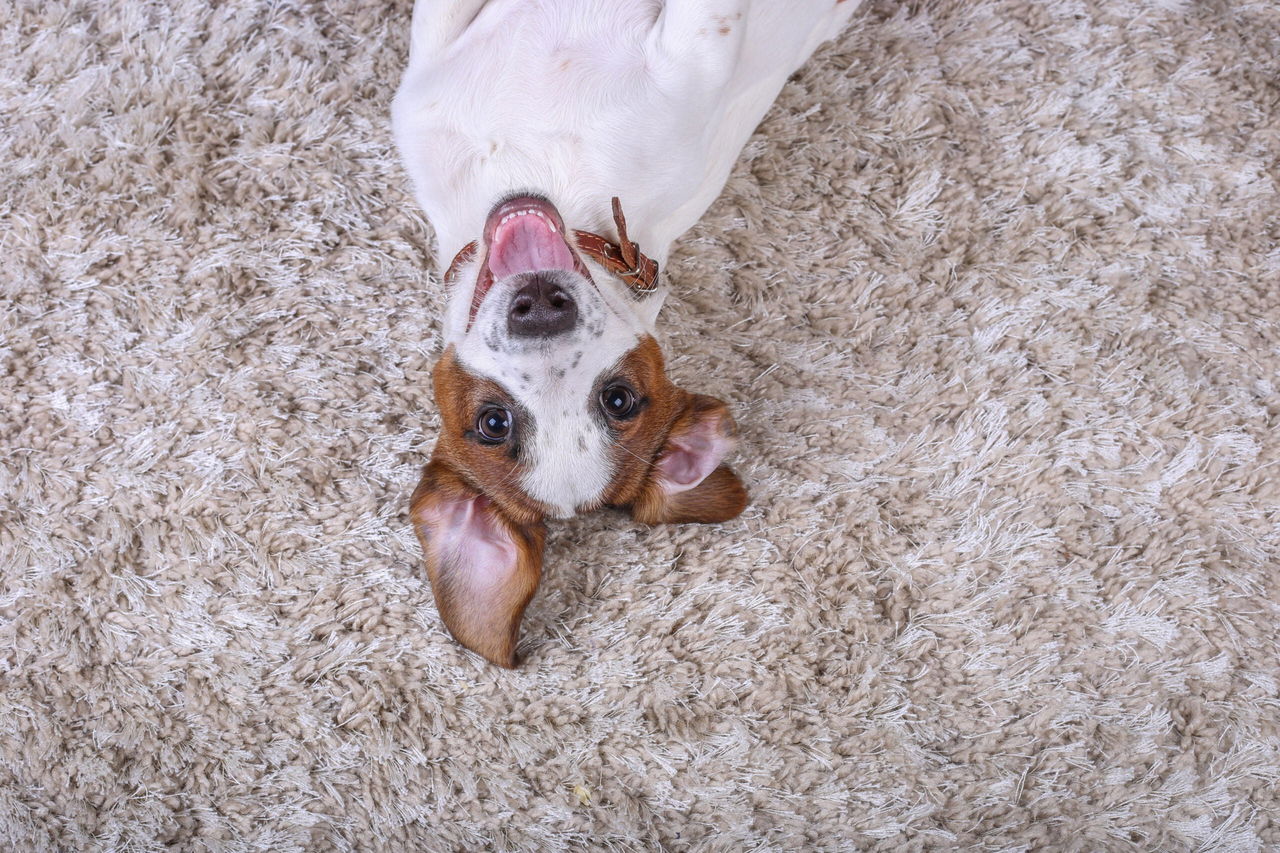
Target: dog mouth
(523, 234)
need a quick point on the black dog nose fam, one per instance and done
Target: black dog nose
(541, 309)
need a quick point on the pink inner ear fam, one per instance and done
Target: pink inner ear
(692, 456)
(466, 533)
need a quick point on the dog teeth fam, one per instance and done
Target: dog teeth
(526, 212)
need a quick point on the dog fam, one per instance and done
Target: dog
(559, 148)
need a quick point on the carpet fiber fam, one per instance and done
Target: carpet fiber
(994, 294)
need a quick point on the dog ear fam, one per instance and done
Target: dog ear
(688, 481)
(483, 567)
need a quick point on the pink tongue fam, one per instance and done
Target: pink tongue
(527, 244)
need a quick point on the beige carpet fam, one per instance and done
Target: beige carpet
(995, 294)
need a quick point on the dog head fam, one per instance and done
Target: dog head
(554, 400)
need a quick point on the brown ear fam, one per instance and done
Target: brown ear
(483, 567)
(687, 481)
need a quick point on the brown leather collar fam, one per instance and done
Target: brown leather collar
(623, 259)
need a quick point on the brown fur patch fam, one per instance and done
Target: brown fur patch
(641, 440)
(493, 470)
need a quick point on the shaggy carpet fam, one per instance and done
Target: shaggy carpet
(994, 293)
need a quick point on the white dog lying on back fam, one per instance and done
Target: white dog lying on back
(521, 123)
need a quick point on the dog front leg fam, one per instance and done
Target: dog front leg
(708, 33)
(437, 23)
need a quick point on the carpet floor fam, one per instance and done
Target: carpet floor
(994, 294)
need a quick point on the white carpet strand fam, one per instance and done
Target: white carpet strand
(994, 293)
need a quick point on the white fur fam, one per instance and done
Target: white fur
(579, 101)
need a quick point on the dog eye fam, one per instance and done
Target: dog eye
(618, 401)
(494, 424)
